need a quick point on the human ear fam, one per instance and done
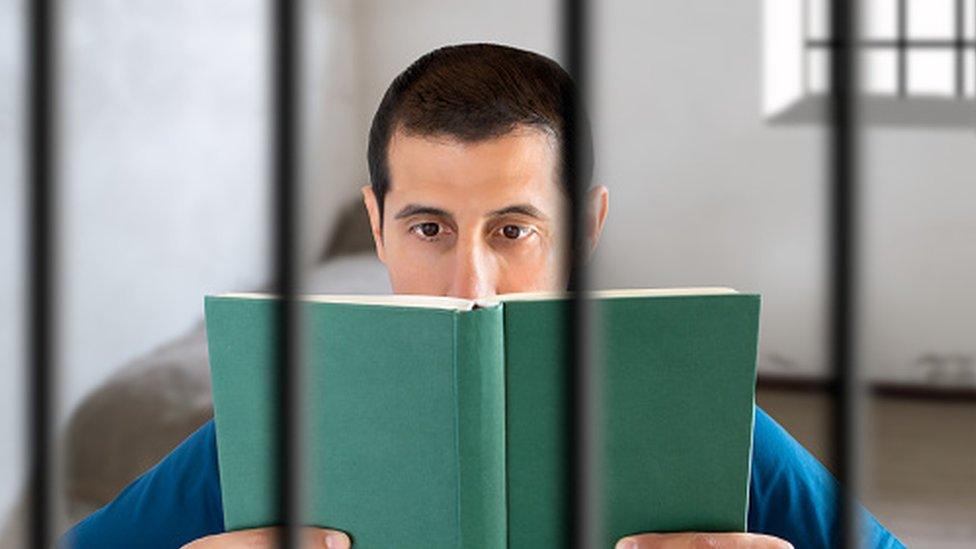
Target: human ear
(375, 220)
(597, 206)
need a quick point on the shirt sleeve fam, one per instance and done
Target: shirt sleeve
(175, 502)
(792, 495)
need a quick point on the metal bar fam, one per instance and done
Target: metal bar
(284, 151)
(900, 42)
(580, 438)
(42, 247)
(844, 155)
(960, 45)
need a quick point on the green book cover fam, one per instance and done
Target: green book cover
(441, 422)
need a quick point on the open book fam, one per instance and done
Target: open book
(442, 422)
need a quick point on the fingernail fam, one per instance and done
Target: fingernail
(336, 540)
(626, 544)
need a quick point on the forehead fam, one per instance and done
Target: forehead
(519, 165)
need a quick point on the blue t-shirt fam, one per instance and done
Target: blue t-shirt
(791, 496)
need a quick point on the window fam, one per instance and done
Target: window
(917, 61)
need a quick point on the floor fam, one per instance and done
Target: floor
(920, 461)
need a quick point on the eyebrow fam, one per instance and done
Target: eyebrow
(523, 209)
(419, 209)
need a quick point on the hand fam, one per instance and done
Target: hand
(267, 538)
(702, 541)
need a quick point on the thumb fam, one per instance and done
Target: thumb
(320, 538)
(700, 540)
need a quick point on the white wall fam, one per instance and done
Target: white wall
(703, 192)
(163, 172)
(164, 175)
(336, 155)
(920, 250)
(11, 251)
(394, 33)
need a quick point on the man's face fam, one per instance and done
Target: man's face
(474, 220)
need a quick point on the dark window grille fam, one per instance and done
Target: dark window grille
(955, 43)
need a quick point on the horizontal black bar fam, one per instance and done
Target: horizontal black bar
(949, 44)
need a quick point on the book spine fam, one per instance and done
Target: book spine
(480, 399)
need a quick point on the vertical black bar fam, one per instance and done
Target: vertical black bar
(42, 246)
(843, 238)
(960, 18)
(901, 41)
(580, 439)
(285, 145)
(805, 53)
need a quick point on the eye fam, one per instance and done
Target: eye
(514, 232)
(427, 230)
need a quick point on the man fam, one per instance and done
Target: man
(466, 199)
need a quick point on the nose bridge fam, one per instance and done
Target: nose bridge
(472, 272)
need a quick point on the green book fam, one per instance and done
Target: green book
(442, 422)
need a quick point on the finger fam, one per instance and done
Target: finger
(254, 538)
(320, 538)
(701, 540)
(267, 538)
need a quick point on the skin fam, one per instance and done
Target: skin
(474, 220)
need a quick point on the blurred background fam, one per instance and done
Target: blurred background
(710, 135)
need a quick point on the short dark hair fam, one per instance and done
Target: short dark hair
(473, 92)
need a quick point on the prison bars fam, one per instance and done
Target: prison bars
(843, 154)
(285, 161)
(583, 430)
(42, 314)
(43, 309)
